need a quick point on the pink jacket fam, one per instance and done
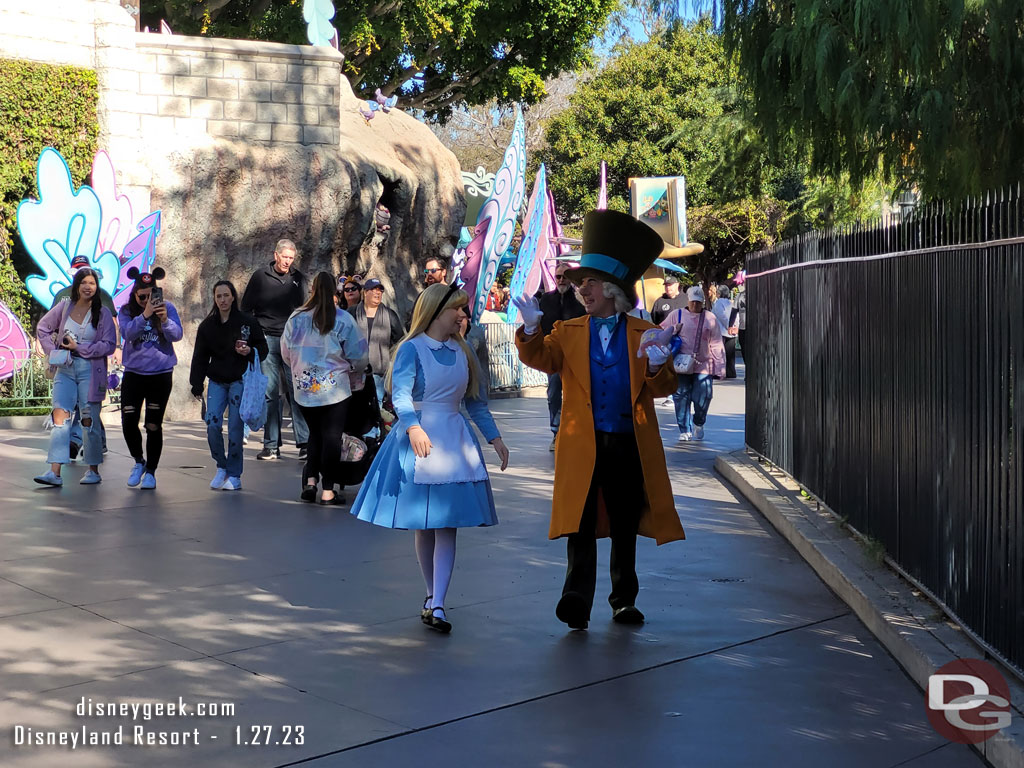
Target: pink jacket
(96, 352)
(710, 349)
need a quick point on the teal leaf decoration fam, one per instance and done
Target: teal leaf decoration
(318, 15)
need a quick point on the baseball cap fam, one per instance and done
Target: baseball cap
(372, 283)
(695, 294)
(79, 261)
(671, 281)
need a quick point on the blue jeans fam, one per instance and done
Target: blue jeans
(693, 388)
(71, 391)
(76, 430)
(218, 398)
(279, 374)
(555, 401)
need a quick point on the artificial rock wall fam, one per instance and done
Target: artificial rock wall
(242, 143)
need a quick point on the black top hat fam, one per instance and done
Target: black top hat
(616, 248)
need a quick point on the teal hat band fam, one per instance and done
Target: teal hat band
(603, 263)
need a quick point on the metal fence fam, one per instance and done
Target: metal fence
(27, 389)
(885, 373)
(507, 372)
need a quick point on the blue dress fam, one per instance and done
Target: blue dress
(390, 496)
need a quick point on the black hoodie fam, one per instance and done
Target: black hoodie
(214, 357)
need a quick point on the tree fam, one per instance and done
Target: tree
(624, 113)
(438, 53)
(929, 92)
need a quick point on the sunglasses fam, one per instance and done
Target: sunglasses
(432, 271)
(352, 289)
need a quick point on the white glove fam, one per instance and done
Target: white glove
(658, 355)
(529, 308)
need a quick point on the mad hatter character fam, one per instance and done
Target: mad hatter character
(610, 474)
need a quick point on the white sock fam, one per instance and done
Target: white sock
(425, 555)
(444, 563)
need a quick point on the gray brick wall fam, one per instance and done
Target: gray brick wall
(260, 92)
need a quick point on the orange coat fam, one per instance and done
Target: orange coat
(566, 351)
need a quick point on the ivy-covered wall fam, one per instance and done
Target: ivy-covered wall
(41, 105)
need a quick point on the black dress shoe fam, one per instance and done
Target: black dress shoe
(439, 623)
(572, 609)
(334, 501)
(628, 614)
(308, 493)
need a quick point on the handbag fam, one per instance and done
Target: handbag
(687, 362)
(251, 408)
(59, 358)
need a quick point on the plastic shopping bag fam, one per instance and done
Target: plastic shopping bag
(254, 393)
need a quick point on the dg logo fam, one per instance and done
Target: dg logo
(968, 701)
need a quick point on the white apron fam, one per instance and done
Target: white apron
(454, 456)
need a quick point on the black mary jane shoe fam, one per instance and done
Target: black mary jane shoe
(439, 624)
(334, 501)
(308, 493)
(425, 610)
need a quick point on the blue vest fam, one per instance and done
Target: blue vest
(609, 381)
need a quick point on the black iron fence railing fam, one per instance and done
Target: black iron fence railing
(885, 373)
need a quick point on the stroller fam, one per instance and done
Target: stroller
(364, 414)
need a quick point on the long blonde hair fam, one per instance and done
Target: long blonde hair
(425, 310)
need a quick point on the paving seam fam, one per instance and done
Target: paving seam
(553, 694)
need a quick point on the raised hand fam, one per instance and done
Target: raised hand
(529, 308)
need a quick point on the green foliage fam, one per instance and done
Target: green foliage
(41, 105)
(625, 114)
(930, 92)
(453, 51)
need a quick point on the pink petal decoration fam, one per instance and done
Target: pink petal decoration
(116, 229)
(139, 253)
(15, 345)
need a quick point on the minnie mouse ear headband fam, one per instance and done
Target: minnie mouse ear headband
(145, 279)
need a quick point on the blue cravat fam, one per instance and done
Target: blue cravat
(605, 322)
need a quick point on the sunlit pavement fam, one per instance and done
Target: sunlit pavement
(307, 621)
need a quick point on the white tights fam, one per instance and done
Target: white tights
(435, 549)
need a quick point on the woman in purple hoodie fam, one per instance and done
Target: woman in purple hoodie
(79, 336)
(150, 326)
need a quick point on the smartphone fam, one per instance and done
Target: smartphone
(157, 296)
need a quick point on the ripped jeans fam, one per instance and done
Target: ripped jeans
(221, 397)
(71, 390)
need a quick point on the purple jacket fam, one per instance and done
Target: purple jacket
(96, 351)
(148, 345)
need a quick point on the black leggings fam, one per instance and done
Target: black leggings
(154, 389)
(326, 427)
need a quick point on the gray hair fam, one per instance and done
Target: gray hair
(285, 244)
(724, 292)
(612, 291)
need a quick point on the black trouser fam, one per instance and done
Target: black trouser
(619, 475)
(326, 428)
(743, 344)
(154, 389)
(730, 356)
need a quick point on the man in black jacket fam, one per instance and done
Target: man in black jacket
(669, 302)
(273, 293)
(559, 304)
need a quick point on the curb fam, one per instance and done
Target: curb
(911, 628)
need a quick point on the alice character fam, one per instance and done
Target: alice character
(429, 474)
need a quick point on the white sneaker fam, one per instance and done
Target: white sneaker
(148, 482)
(698, 433)
(232, 484)
(218, 480)
(685, 437)
(90, 478)
(50, 478)
(137, 472)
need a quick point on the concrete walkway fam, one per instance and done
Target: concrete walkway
(301, 616)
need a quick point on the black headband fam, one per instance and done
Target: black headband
(451, 289)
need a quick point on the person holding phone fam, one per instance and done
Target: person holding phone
(78, 335)
(149, 326)
(225, 342)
